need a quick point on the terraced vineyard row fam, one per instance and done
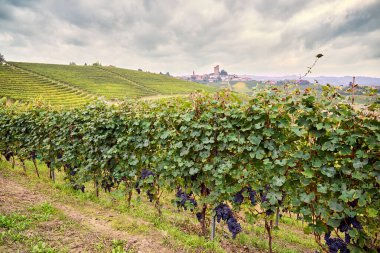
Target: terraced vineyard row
(111, 82)
(22, 85)
(89, 78)
(160, 83)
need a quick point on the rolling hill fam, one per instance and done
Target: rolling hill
(18, 84)
(70, 85)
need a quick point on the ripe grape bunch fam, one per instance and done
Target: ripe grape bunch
(183, 198)
(223, 212)
(264, 199)
(336, 244)
(239, 198)
(145, 174)
(348, 223)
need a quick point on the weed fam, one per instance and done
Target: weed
(42, 247)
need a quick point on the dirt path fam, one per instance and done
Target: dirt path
(95, 224)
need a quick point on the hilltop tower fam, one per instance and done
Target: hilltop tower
(216, 70)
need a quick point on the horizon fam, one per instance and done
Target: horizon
(258, 38)
(189, 74)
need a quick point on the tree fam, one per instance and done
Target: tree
(72, 63)
(2, 59)
(85, 64)
(223, 73)
(167, 73)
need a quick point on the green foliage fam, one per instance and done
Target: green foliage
(13, 225)
(42, 247)
(315, 156)
(14, 221)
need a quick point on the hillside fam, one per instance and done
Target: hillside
(22, 85)
(161, 84)
(108, 82)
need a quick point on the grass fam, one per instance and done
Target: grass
(15, 224)
(178, 231)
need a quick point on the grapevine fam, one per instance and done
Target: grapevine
(306, 152)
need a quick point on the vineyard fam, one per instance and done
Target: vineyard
(221, 159)
(71, 86)
(21, 85)
(161, 84)
(97, 81)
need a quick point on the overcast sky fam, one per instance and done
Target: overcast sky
(258, 37)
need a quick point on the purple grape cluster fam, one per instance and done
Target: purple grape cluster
(223, 212)
(239, 198)
(200, 216)
(145, 174)
(348, 223)
(269, 212)
(233, 226)
(336, 244)
(80, 187)
(347, 238)
(182, 198)
(150, 195)
(107, 184)
(263, 196)
(77, 186)
(353, 203)
(73, 172)
(137, 187)
(252, 195)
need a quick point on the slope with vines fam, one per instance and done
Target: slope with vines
(107, 82)
(18, 84)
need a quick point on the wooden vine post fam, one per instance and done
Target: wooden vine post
(353, 90)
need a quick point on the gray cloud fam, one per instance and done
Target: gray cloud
(355, 23)
(257, 37)
(19, 3)
(5, 13)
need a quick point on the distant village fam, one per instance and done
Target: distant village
(214, 77)
(221, 76)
